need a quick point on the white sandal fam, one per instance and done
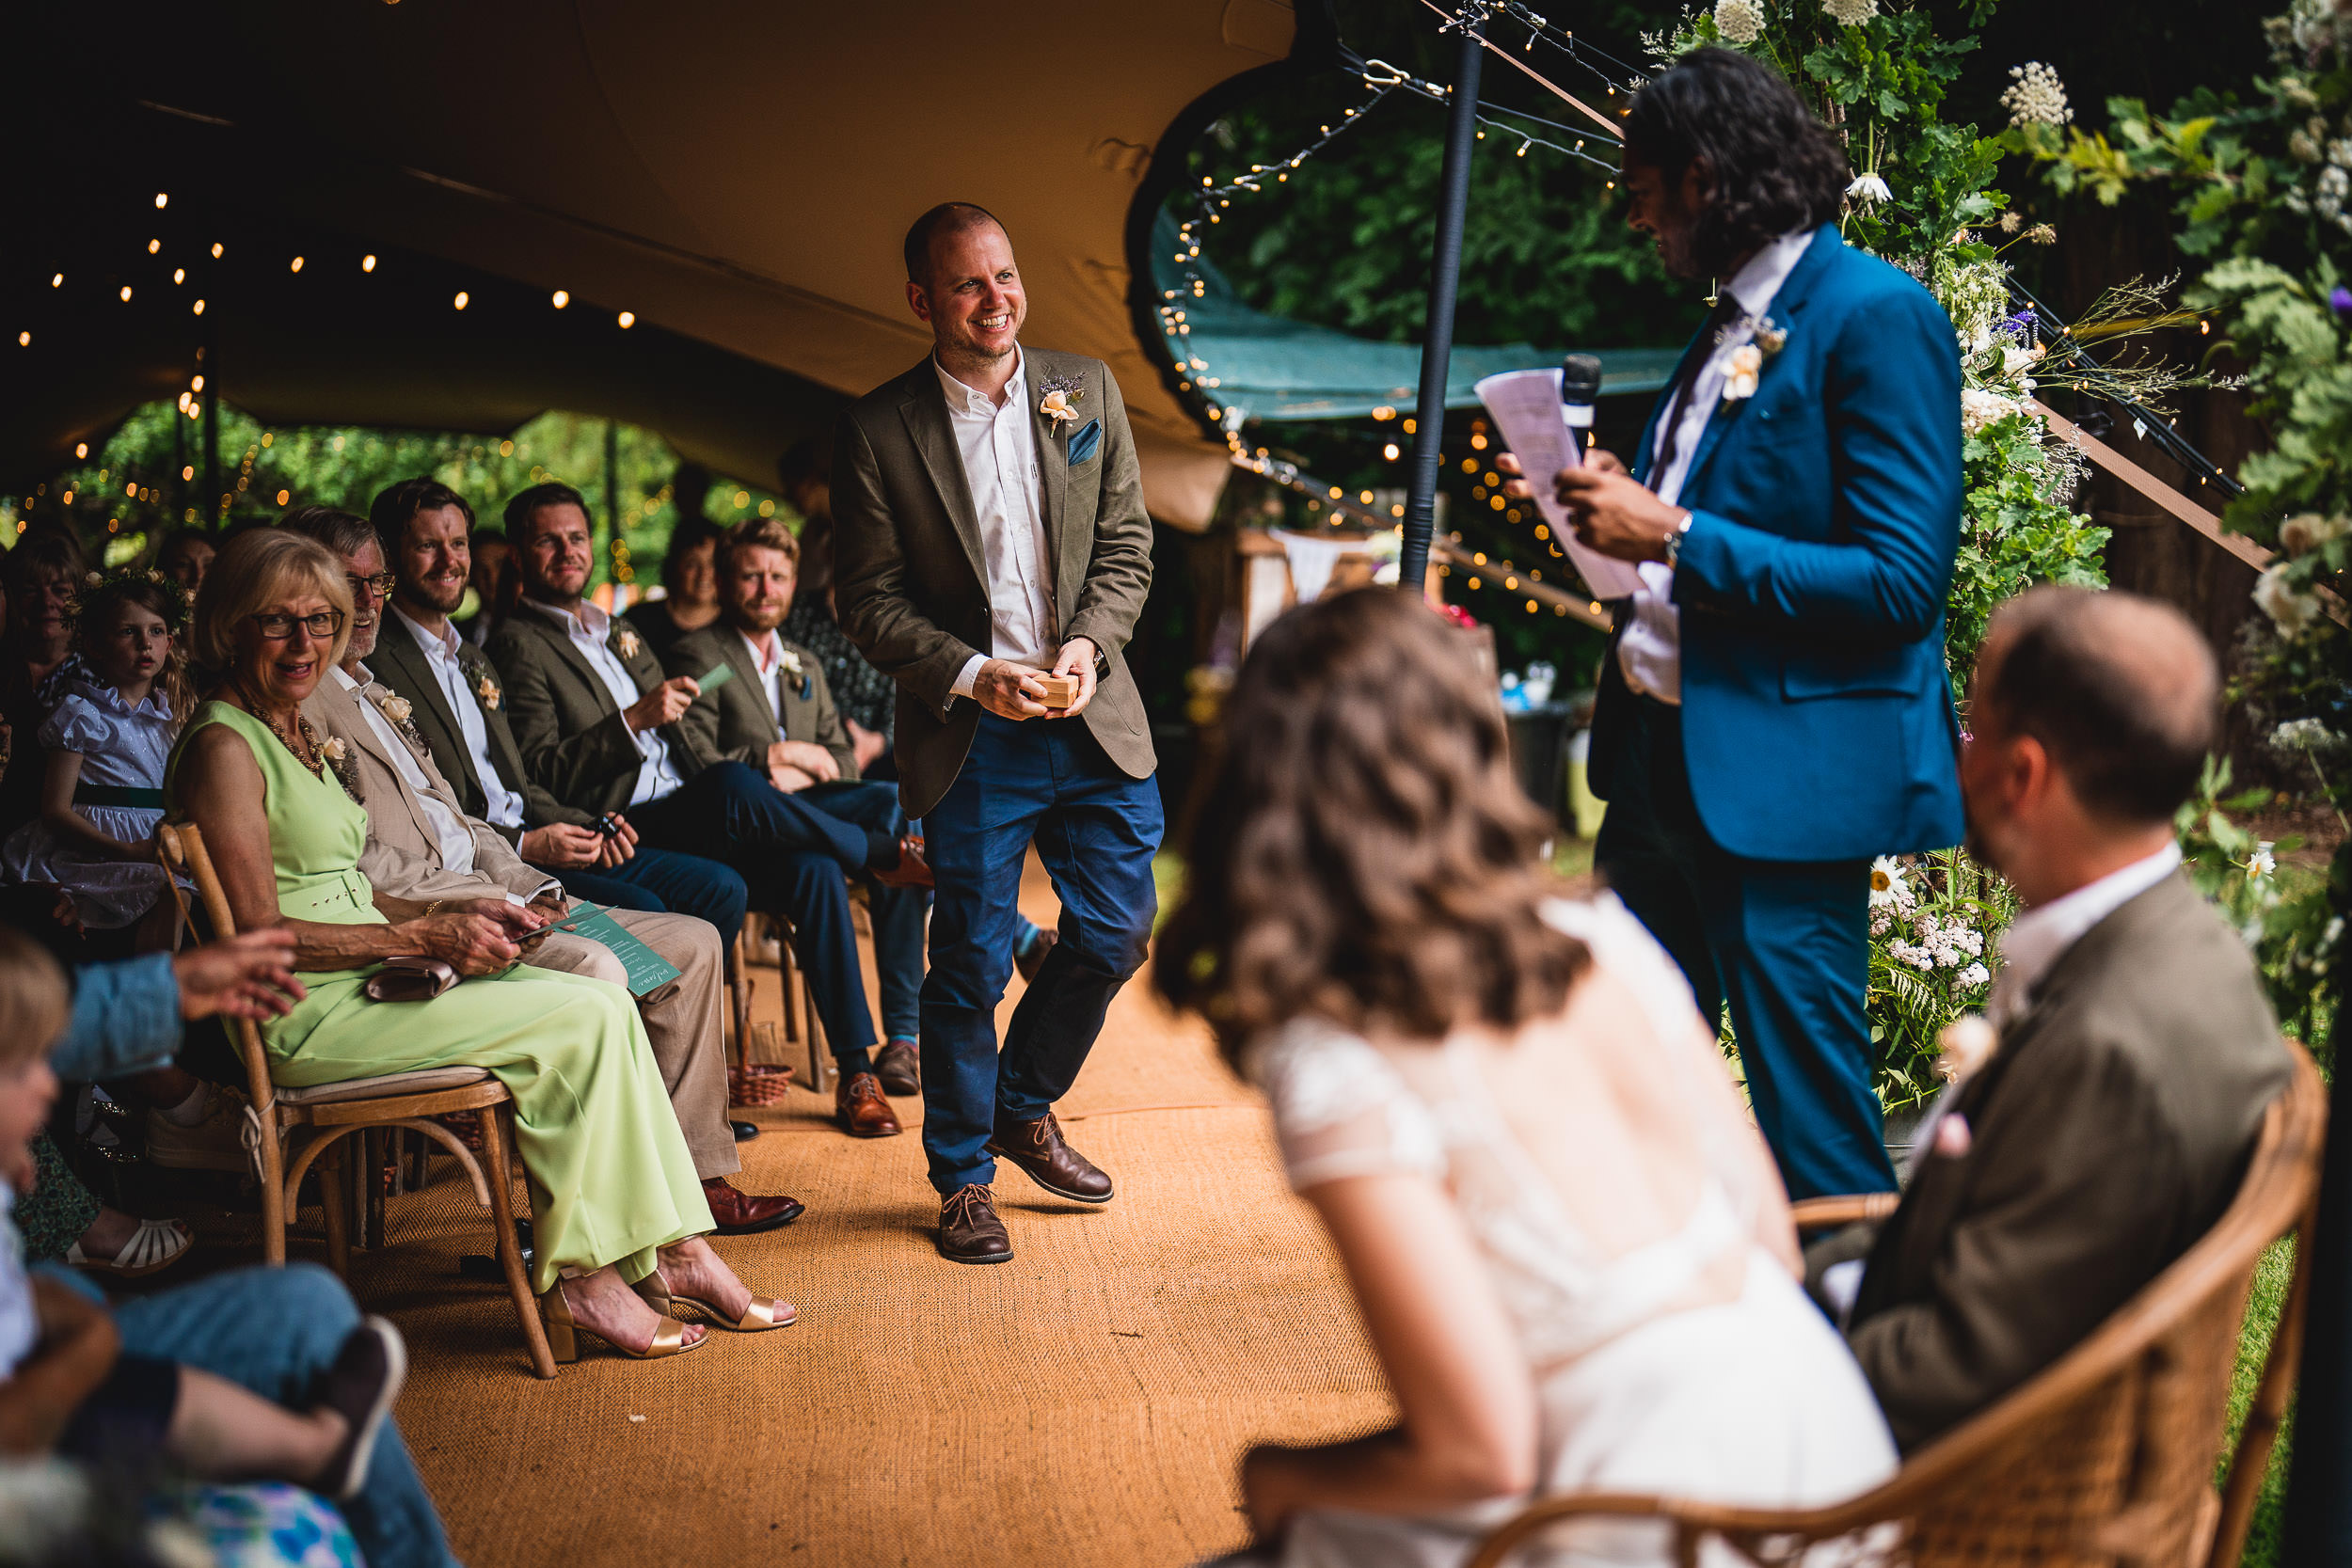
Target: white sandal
(154, 1246)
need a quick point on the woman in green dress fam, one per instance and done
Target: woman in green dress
(619, 1215)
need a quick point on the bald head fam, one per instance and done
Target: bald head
(950, 220)
(2121, 690)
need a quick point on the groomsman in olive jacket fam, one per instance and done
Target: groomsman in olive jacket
(764, 702)
(2110, 1128)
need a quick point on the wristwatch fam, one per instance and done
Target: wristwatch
(1674, 540)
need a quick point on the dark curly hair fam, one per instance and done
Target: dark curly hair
(1364, 853)
(1771, 166)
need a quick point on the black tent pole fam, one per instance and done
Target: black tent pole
(1436, 352)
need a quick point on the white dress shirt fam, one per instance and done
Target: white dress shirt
(2042, 936)
(998, 443)
(657, 775)
(1649, 654)
(768, 658)
(501, 807)
(449, 829)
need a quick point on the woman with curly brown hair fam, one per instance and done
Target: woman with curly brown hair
(1571, 1250)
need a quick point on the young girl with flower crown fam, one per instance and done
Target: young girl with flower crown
(114, 713)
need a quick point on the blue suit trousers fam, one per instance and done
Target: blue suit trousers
(1786, 941)
(1097, 830)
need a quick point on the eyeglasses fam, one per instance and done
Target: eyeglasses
(277, 626)
(381, 584)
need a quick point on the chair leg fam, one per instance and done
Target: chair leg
(785, 971)
(492, 1121)
(372, 1210)
(740, 994)
(334, 1201)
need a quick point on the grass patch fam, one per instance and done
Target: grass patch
(2263, 1306)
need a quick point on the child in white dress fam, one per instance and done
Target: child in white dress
(117, 710)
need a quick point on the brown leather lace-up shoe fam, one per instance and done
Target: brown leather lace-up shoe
(740, 1214)
(859, 1106)
(912, 870)
(969, 1230)
(1038, 1148)
(900, 1067)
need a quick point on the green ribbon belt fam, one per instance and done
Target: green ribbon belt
(116, 795)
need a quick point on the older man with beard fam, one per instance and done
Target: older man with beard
(421, 846)
(773, 712)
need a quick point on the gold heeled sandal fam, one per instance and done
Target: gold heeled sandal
(563, 1332)
(763, 1314)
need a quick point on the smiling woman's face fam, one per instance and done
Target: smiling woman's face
(283, 673)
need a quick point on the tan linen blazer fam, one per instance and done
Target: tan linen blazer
(913, 584)
(403, 856)
(2106, 1134)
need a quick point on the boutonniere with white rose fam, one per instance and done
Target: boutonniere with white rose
(1746, 367)
(1063, 395)
(397, 709)
(487, 690)
(791, 665)
(628, 643)
(338, 759)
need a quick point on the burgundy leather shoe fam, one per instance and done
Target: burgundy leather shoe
(1038, 1148)
(969, 1230)
(913, 870)
(741, 1214)
(859, 1106)
(900, 1067)
(1034, 959)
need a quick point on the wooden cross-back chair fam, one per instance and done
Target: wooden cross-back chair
(297, 1127)
(2103, 1460)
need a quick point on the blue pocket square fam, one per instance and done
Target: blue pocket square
(1085, 444)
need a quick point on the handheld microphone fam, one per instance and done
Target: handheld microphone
(1579, 384)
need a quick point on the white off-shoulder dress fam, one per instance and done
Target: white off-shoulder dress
(121, 792)
(1751, 1401)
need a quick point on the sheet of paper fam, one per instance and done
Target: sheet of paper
(715, 678)
(1526, 408)
(648, 971)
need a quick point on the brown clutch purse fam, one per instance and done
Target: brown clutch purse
(410, 978)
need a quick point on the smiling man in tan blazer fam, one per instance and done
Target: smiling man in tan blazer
(420, 846)
(991, 531)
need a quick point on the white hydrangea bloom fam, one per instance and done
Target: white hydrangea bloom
(2289, 609)
(2034, 96)
(1975, 975)
(2304, 734)
(1851, 13)
(1980, 408)
(1740, 21)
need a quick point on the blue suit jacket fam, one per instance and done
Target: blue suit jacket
(1817, 716)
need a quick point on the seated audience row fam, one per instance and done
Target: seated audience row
(1572, 1250)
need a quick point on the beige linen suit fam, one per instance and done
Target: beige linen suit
(403, 858)
(2106, 1134)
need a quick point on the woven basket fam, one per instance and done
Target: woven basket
(759, 1085)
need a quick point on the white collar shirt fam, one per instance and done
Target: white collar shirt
(448, 829)
(656, 776)
(768, 658)
(998, 443)
(1649, 654)
(502, 806)
(2043, 934)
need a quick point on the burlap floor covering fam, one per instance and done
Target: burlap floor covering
(1085, 1403)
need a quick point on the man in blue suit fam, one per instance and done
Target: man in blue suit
(1774, 710)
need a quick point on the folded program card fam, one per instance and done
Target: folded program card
(1526, 408)
(648, 971)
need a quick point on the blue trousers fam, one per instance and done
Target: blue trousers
(898, 912)
(274, 1331)
(793, 852)
(663, 881)
(1096, 829)
(1786, 941)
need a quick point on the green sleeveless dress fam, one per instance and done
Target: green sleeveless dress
(610, 1173)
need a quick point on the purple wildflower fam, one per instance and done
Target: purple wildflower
(2019, 326)
(2341, 301)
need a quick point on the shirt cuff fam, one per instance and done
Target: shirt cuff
(968, 678)
(1841, 1283)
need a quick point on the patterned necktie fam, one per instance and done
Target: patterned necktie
(1726, 311)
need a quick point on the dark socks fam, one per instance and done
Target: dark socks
(852, 1063)
(882, 851)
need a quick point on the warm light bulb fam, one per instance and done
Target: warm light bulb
(283, 496)
(367, 263)
(126, 294)
(629, 319)
(80, 449)
(58, 281)
(24, 340)
(154, 246)
(216, 250)
(188, 471)
(562, 299)
(297, 263)
(179, 275)
(196, 384)
(199, 307)
(1389, 452)
(460, 300)
(162, 200)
